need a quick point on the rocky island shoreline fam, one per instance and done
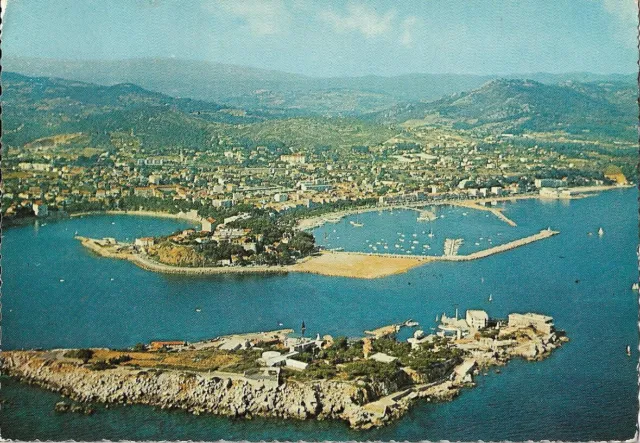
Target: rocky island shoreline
(367, 382)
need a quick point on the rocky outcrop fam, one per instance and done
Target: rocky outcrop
(194, 392)
(362, 404)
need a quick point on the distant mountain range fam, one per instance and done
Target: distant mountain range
(252, 88)
(37, 107)
(604, 108)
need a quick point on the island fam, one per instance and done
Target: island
(367, 381)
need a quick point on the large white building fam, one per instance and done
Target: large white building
(477, 319)
(40, 209)
(294, 159)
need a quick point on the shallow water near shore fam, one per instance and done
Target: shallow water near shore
(585, 391)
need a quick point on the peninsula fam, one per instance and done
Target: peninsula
(367, 381)
(330, 263)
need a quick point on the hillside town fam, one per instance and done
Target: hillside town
(43, 180)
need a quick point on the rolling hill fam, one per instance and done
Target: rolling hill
(506, 105)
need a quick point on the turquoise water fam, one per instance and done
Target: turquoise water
(587, 390)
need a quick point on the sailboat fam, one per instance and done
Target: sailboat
(635, 286)
(356, 223)
(490, 298)
(600, 232)
(437, 319)
(628, 350)
(430, 234)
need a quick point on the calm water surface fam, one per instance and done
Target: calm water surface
(586, 390)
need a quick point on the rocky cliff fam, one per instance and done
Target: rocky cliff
(198, 392)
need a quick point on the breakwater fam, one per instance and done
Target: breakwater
(495, 211)
(545, 233)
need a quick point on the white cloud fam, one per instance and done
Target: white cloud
(408, 26)
(261, 17)
(625, 10)
(361, 18)
(626, 14)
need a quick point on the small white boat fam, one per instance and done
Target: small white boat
(198, 310)
(628, 350)
(113, 223)
(490, 298)
(112, 279)
(600, 232)
(62, 280)
(635, 286)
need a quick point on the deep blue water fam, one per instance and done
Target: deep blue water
(587, 390)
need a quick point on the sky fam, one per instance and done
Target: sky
(336, 38)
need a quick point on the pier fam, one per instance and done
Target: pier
(545, 233)
(495, 211)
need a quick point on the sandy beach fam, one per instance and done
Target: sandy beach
(178, 216)
(355, 265)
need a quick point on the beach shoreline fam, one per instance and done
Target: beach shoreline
(158, 214)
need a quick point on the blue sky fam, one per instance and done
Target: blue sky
(336, 38)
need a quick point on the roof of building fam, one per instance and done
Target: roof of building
(478, 313)
(382, 357)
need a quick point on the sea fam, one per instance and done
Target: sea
(57, 294)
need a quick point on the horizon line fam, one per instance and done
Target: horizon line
(177, 59)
